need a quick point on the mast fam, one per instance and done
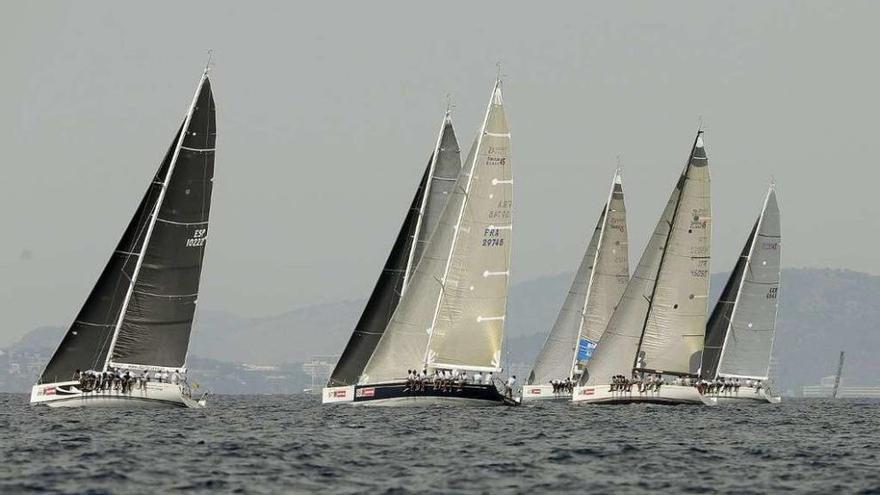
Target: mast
(615, 182)
(838, 375)
(697, 143)
(153, 218)
(425, 195)
(455, 235)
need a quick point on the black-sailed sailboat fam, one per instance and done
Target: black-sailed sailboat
(444, 337)
(128, 345)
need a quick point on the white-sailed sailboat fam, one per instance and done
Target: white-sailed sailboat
(597, 287)
(739, 335)
(138, 317)
(659, 325)
(450, 318)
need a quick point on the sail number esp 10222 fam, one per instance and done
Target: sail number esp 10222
(198, 238)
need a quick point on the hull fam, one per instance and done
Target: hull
(156, 395)
(539, 393)
(398, 394)
(668, 394)
(744, 395)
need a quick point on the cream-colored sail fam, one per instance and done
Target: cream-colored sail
(469, 325)
(455, 302)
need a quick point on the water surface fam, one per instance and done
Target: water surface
(272, 444)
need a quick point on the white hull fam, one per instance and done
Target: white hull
(538, 393)
(668, 394)
(742, 396)
(156, 395)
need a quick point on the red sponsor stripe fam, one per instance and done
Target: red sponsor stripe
(588, 391)
(338, 393)
(535, 391)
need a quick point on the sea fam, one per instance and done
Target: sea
(292, 444)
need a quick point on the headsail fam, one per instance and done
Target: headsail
(154, 327)
(595, 292)
(675, 326)
(620, 343)
(164, 302)
(420, 223)
(750, 328)
(452, 313)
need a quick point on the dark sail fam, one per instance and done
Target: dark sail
(86, 342)
(155, 329)
(383, 301)
(719, 321)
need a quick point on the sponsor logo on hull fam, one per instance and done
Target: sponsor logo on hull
(366, 392)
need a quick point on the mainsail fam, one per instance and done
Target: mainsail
(419, 224)
(141, 308)
(660, 320)
(595, 292)
(739, 335)
(452, 313)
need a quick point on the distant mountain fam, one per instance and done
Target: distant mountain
(822, 311)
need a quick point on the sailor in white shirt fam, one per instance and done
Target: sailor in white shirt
(510, 383)
(477, 377)
(175, 378)
(487, 378)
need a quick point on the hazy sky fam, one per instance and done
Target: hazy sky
(327, 113)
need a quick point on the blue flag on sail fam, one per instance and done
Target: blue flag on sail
(585, 349)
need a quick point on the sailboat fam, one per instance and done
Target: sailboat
(739, 335)
(420, 222)
(594, 293)
(138, 316)
(658, 327)
(450, 317)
